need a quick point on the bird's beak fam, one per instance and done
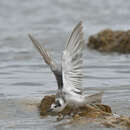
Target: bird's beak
(50, 110)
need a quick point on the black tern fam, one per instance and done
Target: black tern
(69, 74)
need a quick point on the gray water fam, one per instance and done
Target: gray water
(25, 79)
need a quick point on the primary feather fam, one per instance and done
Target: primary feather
(47, 58)
(72, 62)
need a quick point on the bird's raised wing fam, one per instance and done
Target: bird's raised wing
(47, 58)
(72, 62)
(43, 53)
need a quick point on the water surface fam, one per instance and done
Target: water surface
(25, 79)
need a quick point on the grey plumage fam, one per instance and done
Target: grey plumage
(47, 58)
(72, 61)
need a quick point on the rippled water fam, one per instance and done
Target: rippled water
(25, 78)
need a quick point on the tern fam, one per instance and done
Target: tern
(69, 74)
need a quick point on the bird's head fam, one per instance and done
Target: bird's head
(58, 106)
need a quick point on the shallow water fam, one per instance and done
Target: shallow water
(25, 78)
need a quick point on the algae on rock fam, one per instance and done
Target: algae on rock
(110, 41)
(94, 113)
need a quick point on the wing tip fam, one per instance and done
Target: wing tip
(30, 36)
(80, 22)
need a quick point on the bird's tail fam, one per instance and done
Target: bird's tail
(94, 98)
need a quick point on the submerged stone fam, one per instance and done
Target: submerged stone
(110, 41)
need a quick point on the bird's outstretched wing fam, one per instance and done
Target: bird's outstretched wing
(72, 62)
(47, 58)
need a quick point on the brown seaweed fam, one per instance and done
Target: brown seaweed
(95, 113)
(110, 41)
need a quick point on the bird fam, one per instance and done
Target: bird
(69, 74)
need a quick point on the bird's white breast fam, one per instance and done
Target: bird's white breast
(74, 99)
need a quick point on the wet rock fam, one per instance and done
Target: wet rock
(110, 41)
(96, 113)
(46, 104)
(48, 100)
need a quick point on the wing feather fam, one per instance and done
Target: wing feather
(72, 62)
(48, 60)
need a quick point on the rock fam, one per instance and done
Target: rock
(96, 113)
(48, 100)
(110, 41)
(46, 104)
